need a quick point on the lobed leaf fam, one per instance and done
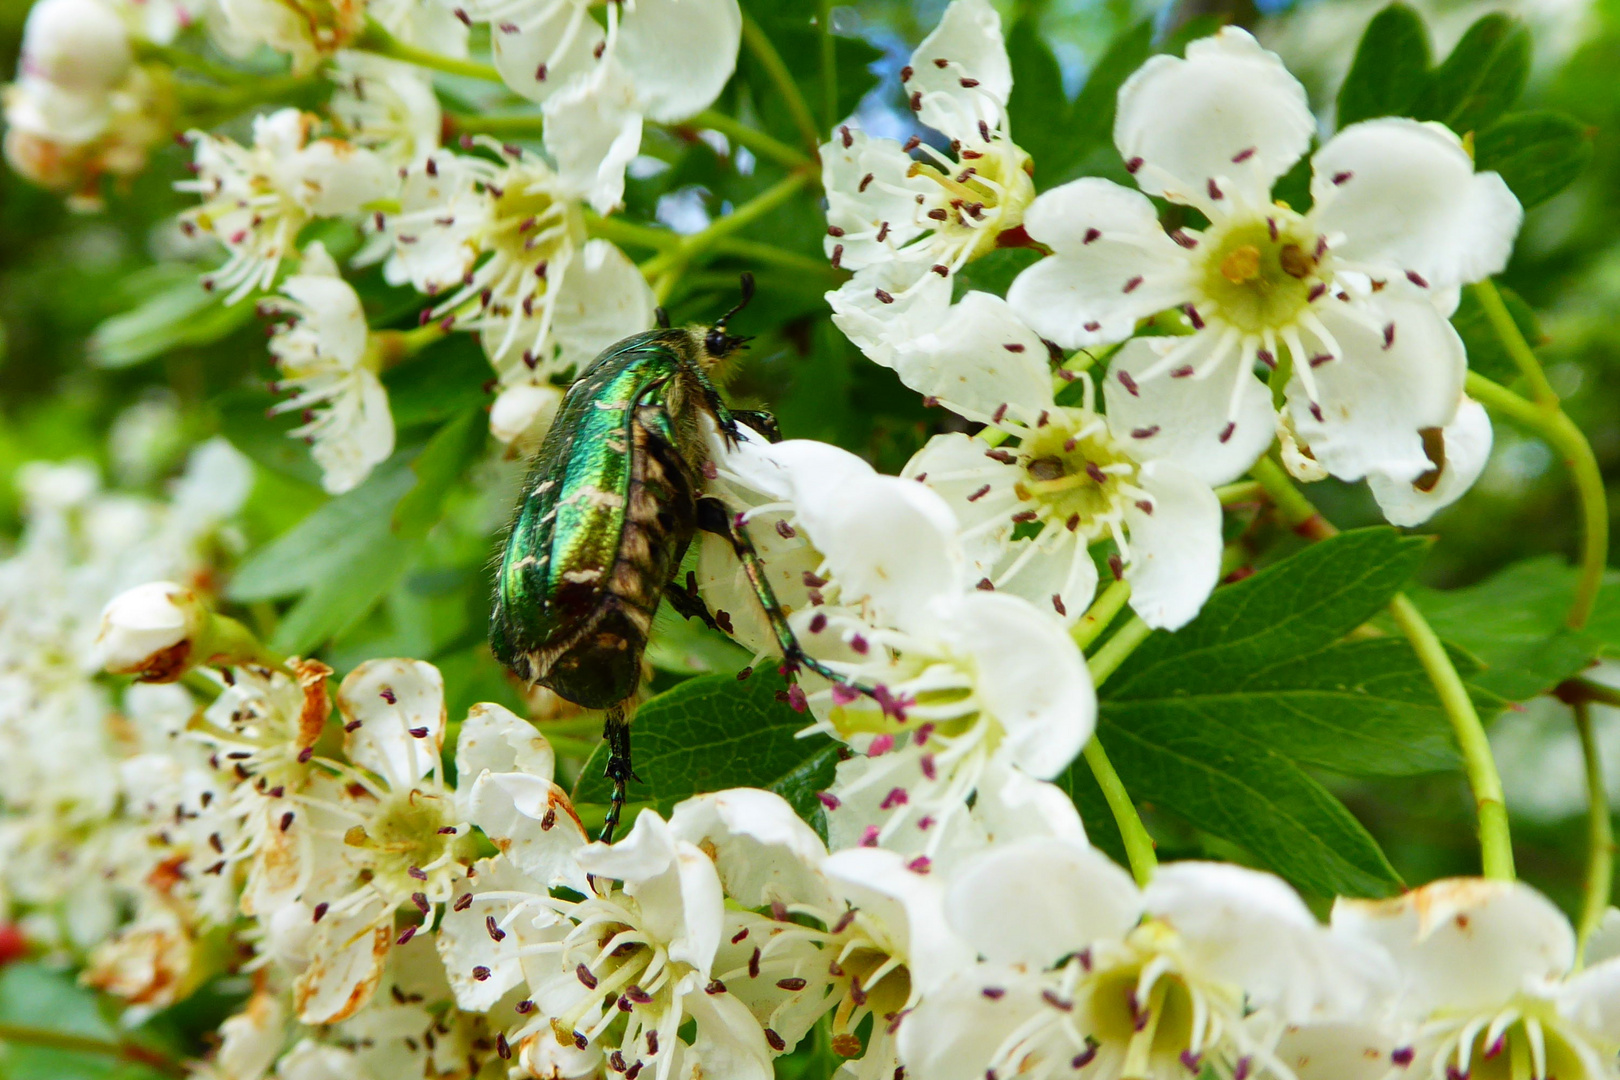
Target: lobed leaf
(1538, 153)
(1390, 69)
(712, 733)
(1481, 78)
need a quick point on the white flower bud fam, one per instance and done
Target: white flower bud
(544, 1058)
(79, 45)
(522, 414)
(150, 631)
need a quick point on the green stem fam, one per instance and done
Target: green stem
(1138, 841)
(26, 1035)
(1294, 507)
(186, 60)
(507, 126)
(771, 255)
(1559, 431)
(621, 231)
(1577, 688)
(771, 61)
(1100, 613)
(675, 259)
(1241, 492)
(740, 133)
(829, 68)
(205, 106)
(1106, 660)
(376, 39)
(1507, 332)
(1495, 842)
(1599, 834)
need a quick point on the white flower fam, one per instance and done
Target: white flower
(399, 837)
(1077, 476)
(79, 46)
(894, 219)
(1351, 296)
(959, 680)
(307, 30)
(660, 59)
(148, 631)
(386, 106)
(1488, 982)
(256, 199)
(617, 973)
(1082, 971)
(323, 352)
(850, 935)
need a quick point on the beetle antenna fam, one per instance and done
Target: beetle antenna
(747, 283)
(660, 318)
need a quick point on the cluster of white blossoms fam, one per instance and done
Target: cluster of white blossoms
(1339, 311)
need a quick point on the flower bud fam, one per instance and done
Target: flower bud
(522, 414)
(150, 631)
(79, 45)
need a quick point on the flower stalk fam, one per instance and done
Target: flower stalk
(48, 1039)
(376, 39)
(1599, 884)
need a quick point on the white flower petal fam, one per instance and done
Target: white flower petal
(908, 905)
(563, 39)
(331, 177)
(592, 130)
(1403, 195)
(1252, 930)
(347, 958)
(674, 883)
(968, 40)
(602, 300)
(956, 1030)
(682, 53)
(494, 738)
(1229, 113)
(1030, 675)
(335, 314)
(869, 186)
(1592, 998)
(978, 359)
(1336, 1051)
(1375, 400)
(1465, 944)
(1187, 416)
(530, 820)
(1113, 265)
(522, 414)
(481, 969)
(1175, 549)
(393, 700)
(889, 304)
(355, 435)
(729, 1042)
(1036, 900)
(1467, 446)
(763, 852)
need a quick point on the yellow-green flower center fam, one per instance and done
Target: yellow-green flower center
(405, 843)
(985, 195)
(1075, 474)
(1260, 275)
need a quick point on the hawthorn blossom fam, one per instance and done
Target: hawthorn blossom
(1489, 983)
(386, 106)
(1347, 300)
(1081, 970)
(257, 198)
(329, 361)
(611, 978)
(895, 219)
(660, 60)
(958, 682)
(502, 239)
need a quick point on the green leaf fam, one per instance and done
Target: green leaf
(450, 453)
(993, 272)
(1302, 604)
(1538, 153)
(1091, 118)
(1513, 624)
(1244, 791)
(687, 647)
(175, 311)
(34, 995)
(443, 381)
(1486, 353)
(712, 733)
(1038, 109)
(1481, 78)
(1214, 721)
(244, 419)
(346, 595)
(1390, 69)
(334, 536)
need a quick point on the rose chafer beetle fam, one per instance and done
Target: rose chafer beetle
(612, 502)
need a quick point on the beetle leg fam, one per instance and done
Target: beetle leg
(715, 517)
(616, 730)
(688, 604)
(760, 421)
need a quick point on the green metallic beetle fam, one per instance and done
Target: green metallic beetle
(611, 504)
